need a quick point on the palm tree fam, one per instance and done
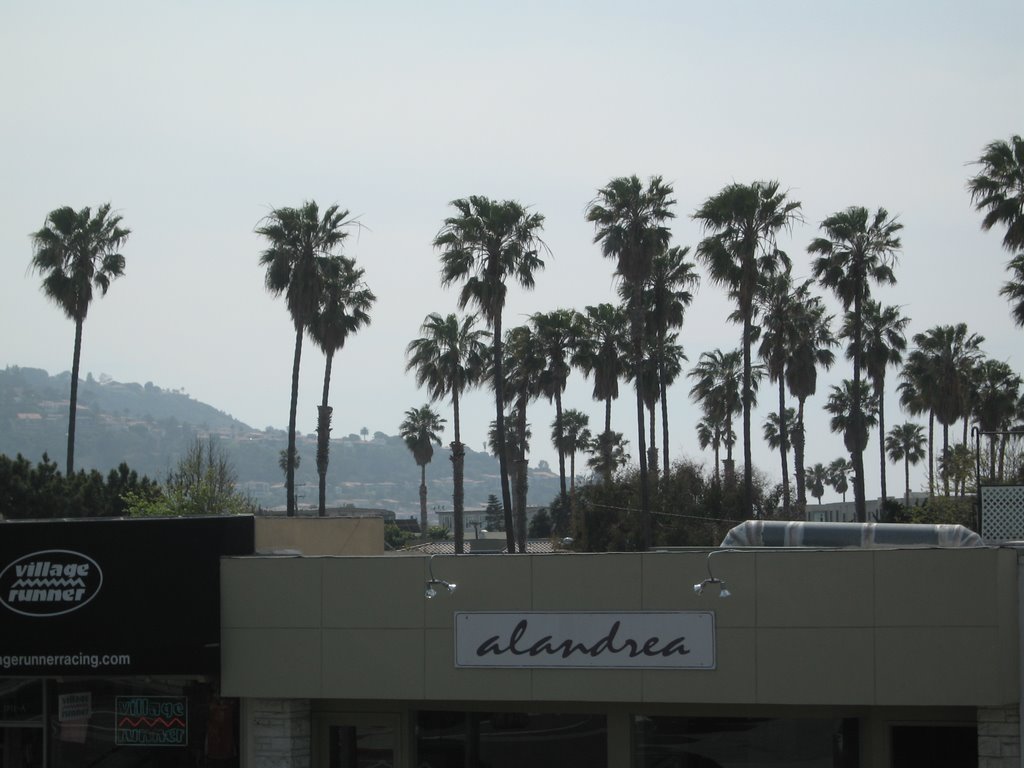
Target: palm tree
(525, 363)
(940, 366)
(660, 365)
(996, 403)
(840, 405)
(556, 333)
(744, 221)
(343, 308)
(449, 358)
(601, 351)
(608, 453)
(998, 190)
(716, 389)
(779, 303)
(572, 437)
(905, 442)
(772, 430)
(630, 221)
(838, 472)
(858, 249)
(485, 244)
(916, 389)
(669, 292)
(811, 347)
(420, 430)
(516, 452)
(298, 238)
(76, 251)
(818, 477)
(711, 434)
(884, 341)
(1013, 289)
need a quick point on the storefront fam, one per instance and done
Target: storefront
(896, 657)
(110, 642)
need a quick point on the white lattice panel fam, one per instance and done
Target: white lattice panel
(1002, 512)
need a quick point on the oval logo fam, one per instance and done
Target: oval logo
(50, 583)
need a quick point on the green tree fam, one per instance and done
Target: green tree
(298, 239)
(996, 403)
(741, 250)
(608, 453)
(630, 222)
(840, 405)
(573, 437)
(556, 333)
(494, 515)
(600, 352)
(420, 430)
(485, 244)
(884, 341)
(76, 252)
(818, 477)
(858, 249)
(449, 358)
(525, 364)
(906, 442)
(342, 309)
(669, 293)
(997, 190)
(838, 474)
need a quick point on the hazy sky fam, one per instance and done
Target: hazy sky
(195, 119)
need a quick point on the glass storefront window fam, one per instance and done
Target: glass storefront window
(510, 740)
(738, 742)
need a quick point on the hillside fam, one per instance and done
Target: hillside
(149, 428)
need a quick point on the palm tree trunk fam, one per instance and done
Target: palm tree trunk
(945, 459)
(931, 453)
(423, 496)
(717, 447)
(561, 452)
(748, 468)
(798, 461)
(783, 443)
(664, 413)
(323, 436)
(652, 449)
(906, 477)
(499, 430)
(880, 390)
(1002, 455)
(458, 484)
(522, 476)
(636, 332)
(991, 459)
(856, 416)
(293, 408)
(69, 466)
(606, 444)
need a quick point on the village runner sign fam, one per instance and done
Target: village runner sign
(642, 640)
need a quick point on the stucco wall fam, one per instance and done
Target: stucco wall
(313, 536)
(918, 627)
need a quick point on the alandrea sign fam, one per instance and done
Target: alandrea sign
(590, 640)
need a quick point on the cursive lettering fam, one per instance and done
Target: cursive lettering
(609, 643)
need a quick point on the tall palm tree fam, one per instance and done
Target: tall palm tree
(884, 341)
(1013, 289)
(717, 376)
(669, 293)
(772, 430)
(486, 243)
(940, 366)
(817, 478)
(916, 389)
(572, 437)
(515, 450)
(343, 308)
(297, 239)
(838, 472)
(779, 302)
(744, 221)
(420, 430)
(998, 190)
(996, 404)
(630, 221)
(75, 252)
(608, 448)
(905, 442)
(449, 358)
(858, 249)
(811, 348)
(556, 332)
(525, 363)
(663, 362)
(853, 428)
(601, 351)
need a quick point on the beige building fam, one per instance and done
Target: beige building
(882, 656)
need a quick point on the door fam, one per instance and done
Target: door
(357, 741)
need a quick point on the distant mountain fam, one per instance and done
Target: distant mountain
(150, 428)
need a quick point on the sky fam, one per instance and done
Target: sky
(195, 120)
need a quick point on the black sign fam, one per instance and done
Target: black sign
(114, 596)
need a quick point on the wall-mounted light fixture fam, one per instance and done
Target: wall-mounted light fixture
(431, 592)
(723, 591)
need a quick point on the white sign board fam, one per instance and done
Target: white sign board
(543, 640)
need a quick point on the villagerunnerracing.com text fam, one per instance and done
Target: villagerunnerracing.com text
(85, 660)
